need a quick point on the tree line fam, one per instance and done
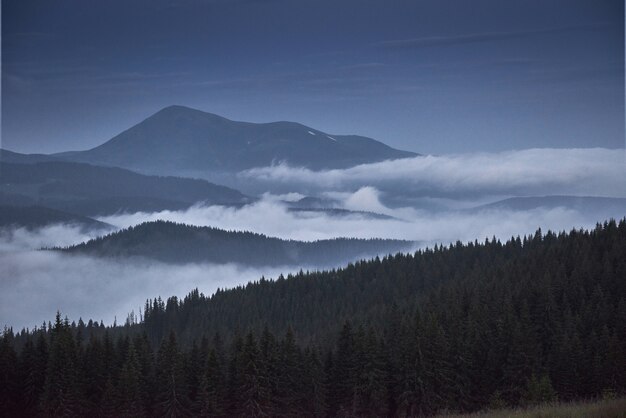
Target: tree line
(454, 328)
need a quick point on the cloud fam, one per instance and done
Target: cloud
(594, 172)
(365, 199)
(428, 41)
(56, 235)
(273, 218)
(35, 284)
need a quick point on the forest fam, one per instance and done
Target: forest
(455, 328)
(180, 243)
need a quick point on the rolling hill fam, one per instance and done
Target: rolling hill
(91, 190)
(591, 206)
(38, 216)
(177, 243)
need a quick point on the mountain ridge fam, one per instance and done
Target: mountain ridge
(178, 139)
(91, 190)
(176, 243)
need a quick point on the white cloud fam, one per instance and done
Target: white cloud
(35, 284)
(273, 218)
(595, 171)
(365, 199)
(56, 235)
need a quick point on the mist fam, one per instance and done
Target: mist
(55, 235)
(594, 171)
(104, 289)
(273, 218)
(101, 289)
(446, 186)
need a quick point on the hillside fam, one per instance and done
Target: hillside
(178, 140)
(596, 207)
(37, 216)
(458, 328)
(7, 156)
(177, 243)
(91, 191)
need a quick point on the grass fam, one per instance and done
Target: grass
(608, 408)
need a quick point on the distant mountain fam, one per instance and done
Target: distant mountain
(327, 206)
(7, 156)
(179, 140)
(90, 190)
(598, 207)
(38, 216)
(178, 243)
(336, 212)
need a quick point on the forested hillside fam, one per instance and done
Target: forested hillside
(38, 216)
(93, 191)
(178, 243)
(455, 328)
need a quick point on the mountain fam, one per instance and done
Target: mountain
(179, 140)
(327, 206)
(90, 190)
(341, 213)
(591, 206)
(38, 216)
(177, 243)
(7, 156)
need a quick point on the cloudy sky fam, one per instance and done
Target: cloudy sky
(432, 76)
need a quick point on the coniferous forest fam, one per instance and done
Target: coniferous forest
(453, 328)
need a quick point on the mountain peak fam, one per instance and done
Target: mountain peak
(184, 111)
(179, 140)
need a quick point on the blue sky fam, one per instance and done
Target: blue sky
(431, 76)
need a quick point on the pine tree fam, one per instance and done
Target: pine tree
(212, 397)
(130, 388)
(9, 389)
(172, 398)
(61, 396)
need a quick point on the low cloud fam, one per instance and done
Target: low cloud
(56, 235)
(274, 218)
(595, 172)
(35, 284)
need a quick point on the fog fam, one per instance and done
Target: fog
(596, 172)
(35, 284)
(273, 218)
(57, 235)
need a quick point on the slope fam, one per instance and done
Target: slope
(178, 243)
(179, 140)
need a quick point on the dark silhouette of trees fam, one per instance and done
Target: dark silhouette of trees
(456, 328)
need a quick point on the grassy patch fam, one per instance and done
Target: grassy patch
(610, 408)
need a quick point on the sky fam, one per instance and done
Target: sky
(430, 76)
